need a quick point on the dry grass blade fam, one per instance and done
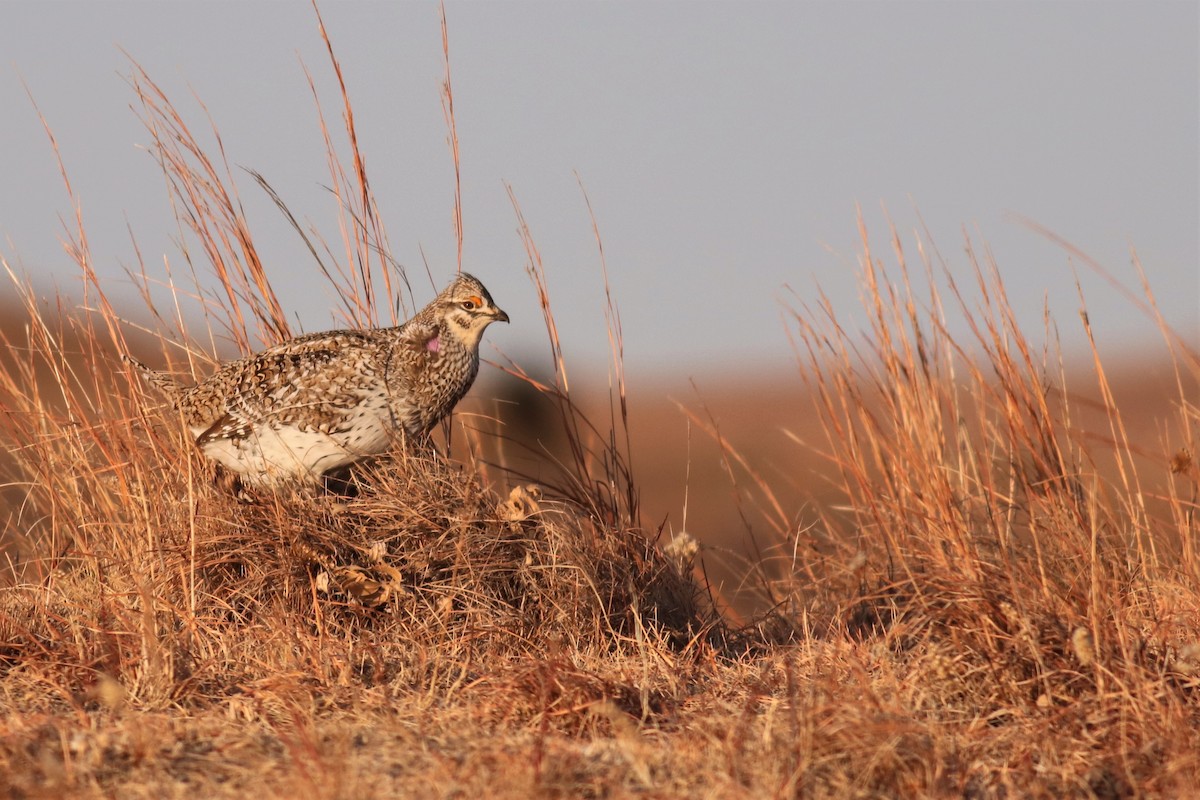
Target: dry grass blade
(1015, 566)
(212, 212)
(597, 474)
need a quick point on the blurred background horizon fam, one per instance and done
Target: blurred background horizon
(724, 148)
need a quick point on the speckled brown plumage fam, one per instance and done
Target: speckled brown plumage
(319, 402)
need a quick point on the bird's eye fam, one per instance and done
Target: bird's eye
(472, 303)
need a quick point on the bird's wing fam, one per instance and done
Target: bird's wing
(303, 382)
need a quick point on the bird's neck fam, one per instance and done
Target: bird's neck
(451, 338)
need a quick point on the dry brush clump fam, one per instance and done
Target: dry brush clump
(1023, 572)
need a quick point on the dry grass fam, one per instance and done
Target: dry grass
(1000, 604)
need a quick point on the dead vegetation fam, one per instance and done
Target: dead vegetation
(1001, 604)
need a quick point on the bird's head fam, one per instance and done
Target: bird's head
(468, 309)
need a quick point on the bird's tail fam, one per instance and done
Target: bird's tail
(159, 380)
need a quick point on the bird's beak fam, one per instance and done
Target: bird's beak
(499, 315)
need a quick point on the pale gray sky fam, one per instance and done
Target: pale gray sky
(723, 145)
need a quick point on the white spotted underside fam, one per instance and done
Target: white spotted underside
(271, 451)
